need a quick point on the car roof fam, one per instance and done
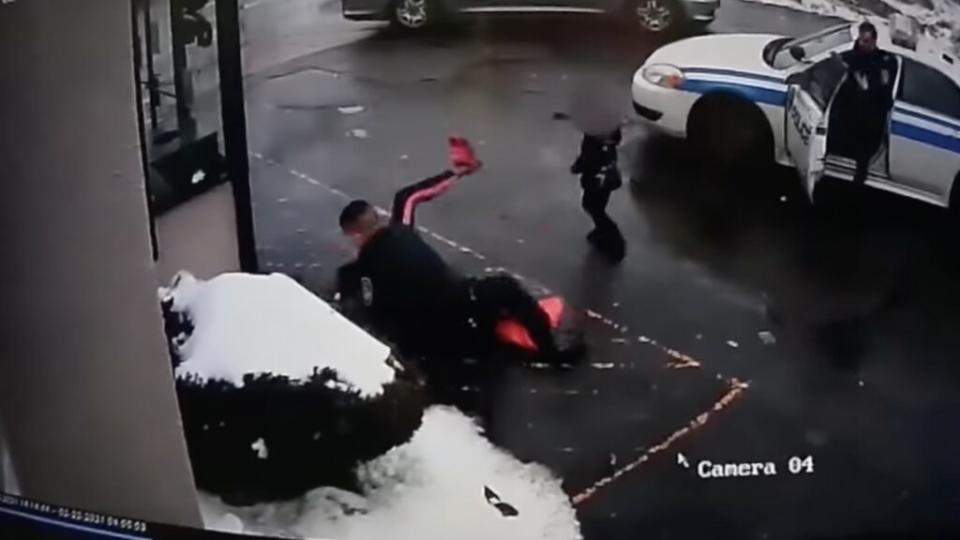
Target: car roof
(927, 51)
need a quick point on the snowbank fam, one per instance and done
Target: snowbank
(431, 488)
(278, 393)
(247, 324)
(940, 18)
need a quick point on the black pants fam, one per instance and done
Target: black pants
(863, 156)
(495, 298)
(594, 202)
(606, 234)
(867, 139)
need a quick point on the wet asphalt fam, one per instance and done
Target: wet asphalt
(859, 293)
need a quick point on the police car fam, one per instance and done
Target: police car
(768, 95)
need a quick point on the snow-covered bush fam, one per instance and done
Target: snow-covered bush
(278, 392)
(448, 482)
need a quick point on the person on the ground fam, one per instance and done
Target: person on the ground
(599, 178)
(407, 292)
(868, 89)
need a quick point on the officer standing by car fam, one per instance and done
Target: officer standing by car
(871, 73)
(599, 178)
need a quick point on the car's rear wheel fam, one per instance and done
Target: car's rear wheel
(656, 16)
(730, 132)
(412, 14)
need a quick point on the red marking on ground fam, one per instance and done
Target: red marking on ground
(736, 390)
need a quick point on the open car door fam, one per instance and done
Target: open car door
(809, 95)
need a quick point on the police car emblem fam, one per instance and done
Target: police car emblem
(366, 291)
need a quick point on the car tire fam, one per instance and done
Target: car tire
(730, 132)
(656, 16)
(412, 15)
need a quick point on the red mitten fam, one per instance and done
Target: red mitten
(462, 155)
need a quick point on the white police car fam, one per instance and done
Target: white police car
(737, 94)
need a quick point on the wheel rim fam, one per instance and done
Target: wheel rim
(654, 15)
(412, 13)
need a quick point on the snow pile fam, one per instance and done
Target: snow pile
(245, 324)
(431, 488)
(940, 18)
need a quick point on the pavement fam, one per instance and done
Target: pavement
(743, 325)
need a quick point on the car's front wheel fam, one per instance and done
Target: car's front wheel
(656, 15)
(412, 14)
(730, 132)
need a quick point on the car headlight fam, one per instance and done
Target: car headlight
(663, 75)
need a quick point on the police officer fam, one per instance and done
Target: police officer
(871, 73)
(599, 178)
(410, 294)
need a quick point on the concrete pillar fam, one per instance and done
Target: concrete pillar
(86, 391)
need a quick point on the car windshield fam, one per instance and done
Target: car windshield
(777, 52)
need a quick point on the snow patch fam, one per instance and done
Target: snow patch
(941, 21)
(435, 487)
(253, 324)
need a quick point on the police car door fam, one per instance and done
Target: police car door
(809, 95)
(925, 134)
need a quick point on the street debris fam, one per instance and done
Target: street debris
(559, 115)
(613, 459)
(620, 340)
(783, 198)
(767, 337)
(358, 133)
(732, 343)
(404, 157)
(351, 109)
(643, 339)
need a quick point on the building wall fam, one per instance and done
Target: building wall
(86, 393)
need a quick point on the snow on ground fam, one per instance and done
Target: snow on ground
(431, 488)
(245, 323)
(941, 18)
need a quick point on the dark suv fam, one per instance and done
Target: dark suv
(651, 15)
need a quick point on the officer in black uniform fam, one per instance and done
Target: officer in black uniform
(868, 89)
(599, 178)
(409, 293)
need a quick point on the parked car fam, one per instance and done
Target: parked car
(651, 15)
(771, 97)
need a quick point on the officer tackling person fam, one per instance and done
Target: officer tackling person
(868, 89)
(409, 294)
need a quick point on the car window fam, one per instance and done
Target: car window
(926, 87)
(822, 79)
(813, 45)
